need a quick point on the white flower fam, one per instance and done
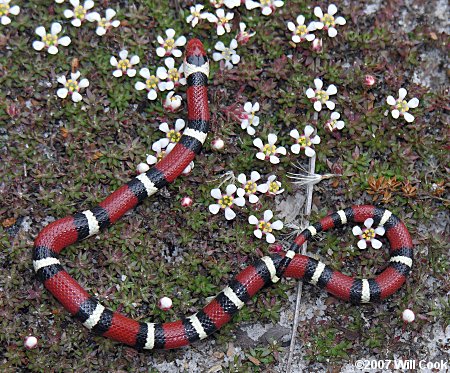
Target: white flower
(152, 82)
(196, 15)
(368, 235)
(221, 20)
(301, 32)
(401, 107)
(273, 187)
(267, 6)
(174, 75)
(304, 141)
(72, 86)
(249, 187)
(173, 135)
(59, 1)
(50, 41)
(249, 118)
(124, 65)
(269, 151)
(226, 201)
(103, 23)
(170, 45)
(243, 36)
(333, 124)
(172, 102)
(228, 54)
(320, 97)
(232, 3)
(79, 11)
(5, 10)
(327, 20)
(158, 148)
(264, 227)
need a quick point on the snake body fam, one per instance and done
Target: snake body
(269, 269)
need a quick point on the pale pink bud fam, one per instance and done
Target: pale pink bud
(369, 80)
(165, 303)
(316, 45)
(186, 201)
(217, 144)
(30, 342)
(408, 316)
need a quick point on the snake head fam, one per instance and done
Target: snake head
(195, 53)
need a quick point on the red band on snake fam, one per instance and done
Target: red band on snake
(269, 269)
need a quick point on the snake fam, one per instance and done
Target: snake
(54, 237)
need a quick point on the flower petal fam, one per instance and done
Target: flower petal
(294, 133)
(253, 198)
(76, 97)
(309, 130)
(229, 214)
(255, 176)
(52, 50)
(240, 201)
(402, 92)
(318, 12)
(253, 220)
(376, 244)
(55, 28)
(395, 113)
(317, 106)
(408, 117)
(362, 244)
(272, 138)
(332, 9)
(38, 45)
(258, 143)
(214, 208)
(64, 41)
(62, 92)
(331, 90)
(277, 225)
(318, 83)
(310, 152)
(390, 100)
(231, 189)
(257, 233)
(368, 223)
(268, 214)
(270, 238)
(295, 148)
(357, 231)
(413, 103)
(310, 93)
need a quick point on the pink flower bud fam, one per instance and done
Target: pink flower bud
(30, 342)
(243, 36)
(165, 303)
(217, 144)
(186, 201)
(316, 45)
(369, 80)
(408, 316)
(13, 110)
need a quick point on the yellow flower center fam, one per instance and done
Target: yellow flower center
(195, 14)
(103, 22)
(4, 9)
(79, 12)
(274, 187)
(301, 30)
(72, 85)
(304, 141)
(368, 234)
(124, 64)
(173, 136)
(169, 44)
(174, 75)
(328, 20)
(402, 106)
(226, 53)
(226, 201)
(265, 226)
(250, 187)
(50, 40)
(269, 150)
(265, 2)
(223, 20)
(160, 155)
(322, 96)
(152, 82)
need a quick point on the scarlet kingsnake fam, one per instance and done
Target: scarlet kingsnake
(141, 335)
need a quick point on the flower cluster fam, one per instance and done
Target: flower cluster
(326, 21)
